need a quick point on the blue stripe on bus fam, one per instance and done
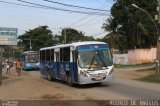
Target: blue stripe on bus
(94, 49)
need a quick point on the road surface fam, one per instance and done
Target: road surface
(32, 86)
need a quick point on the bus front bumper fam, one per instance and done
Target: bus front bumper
(91, 80)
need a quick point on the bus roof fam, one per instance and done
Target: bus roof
(29, 52)
(75, 44)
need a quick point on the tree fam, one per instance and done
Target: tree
(40, 37)
(11, 52)
(112, 37)
(71, 35)
(135, 27)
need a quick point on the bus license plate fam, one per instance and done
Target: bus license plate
(98, 78)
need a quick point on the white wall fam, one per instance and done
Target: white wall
(136, 56)
(120, 58)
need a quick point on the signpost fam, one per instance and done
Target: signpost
(158, 41)
(8, 36)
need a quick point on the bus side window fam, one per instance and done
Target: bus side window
(40, 54)
(66, 54)
(43, 55)
(52, 54)
(48, 55)
(61, 54)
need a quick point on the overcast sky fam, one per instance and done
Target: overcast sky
(25, 18)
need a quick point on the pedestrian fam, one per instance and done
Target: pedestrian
(8, 68)
(18, 67)
(3, 65)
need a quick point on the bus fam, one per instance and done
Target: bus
(77, 63)
(30, 60)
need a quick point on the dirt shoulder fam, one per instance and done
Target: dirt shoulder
(134, 72)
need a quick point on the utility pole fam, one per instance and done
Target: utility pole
(30, 43)
(158, 43)
(1, 55)
(157, 17)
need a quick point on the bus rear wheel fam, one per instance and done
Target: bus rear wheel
(68, 80)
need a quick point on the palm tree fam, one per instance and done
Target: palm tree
(112, 38)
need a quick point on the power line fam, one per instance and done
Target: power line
(54, 8)
(47, 7)
(87, 17)
(20, 4)
(93, 18)
(85, 25)
(69, 5)
(83, 18)
(98, 34)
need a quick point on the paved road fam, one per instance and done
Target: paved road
(133, 89)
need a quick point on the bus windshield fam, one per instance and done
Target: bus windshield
(94, 58)
(32, 58)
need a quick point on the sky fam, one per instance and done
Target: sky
(25, 18)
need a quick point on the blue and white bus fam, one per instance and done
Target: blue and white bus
(77, 63)
(30, 60)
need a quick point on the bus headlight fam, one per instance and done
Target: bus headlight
(38, 64)
(83, 73)
(111, 71)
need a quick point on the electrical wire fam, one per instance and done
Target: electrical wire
(83, 18)
(34, 5)
(86, 18)
(54, 8)
(20, 4)
(98, 33)
(69, 5)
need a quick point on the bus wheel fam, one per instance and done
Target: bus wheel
(49, 76)
(68, 80)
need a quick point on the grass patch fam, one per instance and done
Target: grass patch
(151, 78)
(132, 66)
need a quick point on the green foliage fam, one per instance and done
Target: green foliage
(131, 27)
(10, 52)
(151, 78)
(40, 37)
(43, 37)
(73, 35)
